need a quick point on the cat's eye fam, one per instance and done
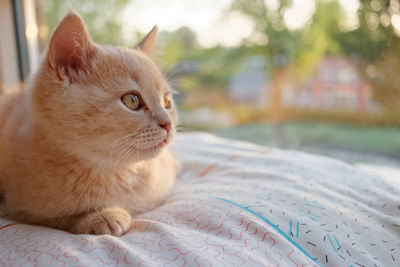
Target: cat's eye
(167, 101)
(131, 101)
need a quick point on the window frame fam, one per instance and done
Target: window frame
(19, 44)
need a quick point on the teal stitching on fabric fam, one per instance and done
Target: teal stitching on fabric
(333, 246)
(339, 246)
(272, 225)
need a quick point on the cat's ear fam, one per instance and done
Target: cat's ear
(70, 46)
(147, 44)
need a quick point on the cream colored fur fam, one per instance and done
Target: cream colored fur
(72, 156)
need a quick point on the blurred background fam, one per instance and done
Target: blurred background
(319, 75)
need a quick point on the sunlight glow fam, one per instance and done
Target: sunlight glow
(394, 6)
(385, 19)
(31, 31)
(351, 7)
(206, 18)
(272, 4)
(212, 23)
(396, 23)
(298, 15)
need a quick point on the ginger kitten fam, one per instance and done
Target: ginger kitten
(86, 144)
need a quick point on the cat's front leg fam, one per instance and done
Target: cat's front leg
(108, 221)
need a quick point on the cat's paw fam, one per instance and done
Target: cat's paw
(109, 221)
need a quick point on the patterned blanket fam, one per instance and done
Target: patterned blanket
(236, 204)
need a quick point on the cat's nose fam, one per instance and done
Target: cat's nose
(166, 126)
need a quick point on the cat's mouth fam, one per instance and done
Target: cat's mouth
(159, 145)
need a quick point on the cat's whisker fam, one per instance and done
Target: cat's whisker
(137, 153)
(118, 157)
(174, 80)
(125, 151)
(118, 143)
(116, 149)
(174, 83)
(120, 139)
(174, 71)
(121, 151)
(185, 130)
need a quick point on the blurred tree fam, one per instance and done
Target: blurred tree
(302, 49)
(319, 38)
(375, 45)
(219, 64)
(386, 80)
(177, 46)
(190, 67)
(279, 49)
(101, 17)
(282, 43)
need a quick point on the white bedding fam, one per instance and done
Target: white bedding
(238, 204)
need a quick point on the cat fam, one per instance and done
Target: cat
(86, 145)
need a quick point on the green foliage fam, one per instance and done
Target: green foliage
(373, 44)
(373, 36)
(319, 38)
(304, 48)
(214, 66)
(281, 41)
(100, 16)
(387, 80)
(177, 46)
(218, 64)
(376, 47)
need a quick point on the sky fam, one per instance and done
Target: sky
(206, 18)
(209, 19)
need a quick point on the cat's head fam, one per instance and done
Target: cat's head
(104, 104)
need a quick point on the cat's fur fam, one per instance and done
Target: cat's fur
(72, 156)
